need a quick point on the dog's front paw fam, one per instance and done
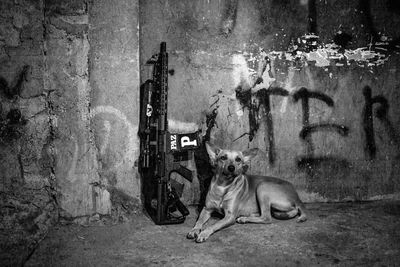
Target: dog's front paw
(203, 236)
(193, 233)
(241, 220)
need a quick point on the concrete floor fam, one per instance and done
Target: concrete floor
(341, 234)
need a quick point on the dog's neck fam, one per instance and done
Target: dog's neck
(224, 180)
(228, 185)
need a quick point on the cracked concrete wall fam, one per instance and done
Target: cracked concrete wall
(69, 87)
(246, 61)
(28, 205)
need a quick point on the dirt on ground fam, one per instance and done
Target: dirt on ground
(341, 234)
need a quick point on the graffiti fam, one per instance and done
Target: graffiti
(253, 122)
(210, 123)
(304, 94)
(368, 122)
(252, 93)
(129, 149)
(264, 96)
(308, 128)
(382, 114)
(250, 88)
(309, 162)
(311, 128)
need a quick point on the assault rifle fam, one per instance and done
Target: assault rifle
(161, 152)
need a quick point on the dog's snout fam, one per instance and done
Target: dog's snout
(231, 168)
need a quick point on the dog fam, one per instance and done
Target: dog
(243, 198)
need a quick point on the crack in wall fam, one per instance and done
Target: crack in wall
(52, 119)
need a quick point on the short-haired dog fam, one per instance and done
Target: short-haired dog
(243, 198)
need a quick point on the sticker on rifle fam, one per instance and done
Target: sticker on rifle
(173, 142)
(149, 110)
(181, 142)
(187, 142)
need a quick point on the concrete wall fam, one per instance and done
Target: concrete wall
(69, 88)
(67, 48)
(92, 60)
(338, 148)
(27, 181)
(114, 104)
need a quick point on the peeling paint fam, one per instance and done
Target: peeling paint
(307, 48)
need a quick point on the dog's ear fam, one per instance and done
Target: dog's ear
(213, 152)
(249, 154)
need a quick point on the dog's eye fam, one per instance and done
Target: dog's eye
(224, 157)
(238, 159)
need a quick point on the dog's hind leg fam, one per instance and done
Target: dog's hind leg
(265, 211)
(285, 215)
(298, 209)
